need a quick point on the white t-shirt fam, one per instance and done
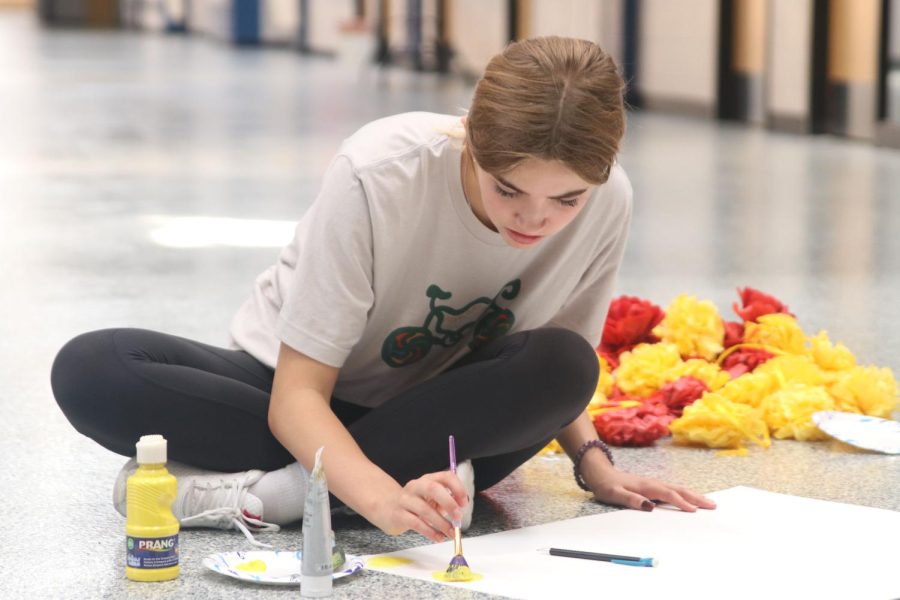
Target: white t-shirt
(392, 278)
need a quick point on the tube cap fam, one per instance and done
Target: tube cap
(151, 450)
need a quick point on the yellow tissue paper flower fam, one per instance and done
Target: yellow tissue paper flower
(751, 389)
(716, 422)
(694, 326)
(709, 373)
(788, 412)
(598, 409)
(552, 448)
(605, 381)
(733, 452)
(828, 356)
(866, 390)
(643, 370)
(778, 331)
(793, 368)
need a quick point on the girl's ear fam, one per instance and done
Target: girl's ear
(463, 120)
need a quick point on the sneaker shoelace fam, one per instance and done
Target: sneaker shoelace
(227, 497)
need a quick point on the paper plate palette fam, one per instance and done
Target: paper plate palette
(269, 567)
(871, 433)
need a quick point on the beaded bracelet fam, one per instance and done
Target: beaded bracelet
(580, 454)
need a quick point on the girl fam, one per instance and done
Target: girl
(444, 282)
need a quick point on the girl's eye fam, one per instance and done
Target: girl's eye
(569, 202)
(505, 193)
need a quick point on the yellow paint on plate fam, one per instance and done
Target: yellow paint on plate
(461, 575)
(387, 562)
(253, 566)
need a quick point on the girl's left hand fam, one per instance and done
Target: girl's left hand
(632, 491)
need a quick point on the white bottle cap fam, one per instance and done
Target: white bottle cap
(151, 450)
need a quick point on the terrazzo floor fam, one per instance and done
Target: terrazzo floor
(127, 159)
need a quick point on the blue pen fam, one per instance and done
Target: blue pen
(632, 561)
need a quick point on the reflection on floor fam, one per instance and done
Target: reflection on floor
(145, 181)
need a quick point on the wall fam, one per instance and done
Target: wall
(677, 54)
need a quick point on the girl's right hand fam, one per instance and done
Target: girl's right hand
(426, 505)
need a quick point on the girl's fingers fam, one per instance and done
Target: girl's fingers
(630, 499)
(451, 482)
(424, 511)
(442, 496)
(417, 524)
(666, 493)
(694, 498)
(443, 488)
(635, 492)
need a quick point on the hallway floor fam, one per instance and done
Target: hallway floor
(146, 180)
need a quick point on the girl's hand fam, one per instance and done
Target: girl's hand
(632, 491)
(426, 505)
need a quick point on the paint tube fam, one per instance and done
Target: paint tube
(316, 567)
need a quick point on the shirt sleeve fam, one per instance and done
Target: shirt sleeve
(331, 292)
(585, 310)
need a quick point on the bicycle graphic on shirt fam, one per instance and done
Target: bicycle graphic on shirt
(407, 345)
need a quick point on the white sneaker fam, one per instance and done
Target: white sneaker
(208, 499)
(466, 473)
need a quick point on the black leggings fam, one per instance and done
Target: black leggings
(503, 403)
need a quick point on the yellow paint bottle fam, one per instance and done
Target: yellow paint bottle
(151, 529)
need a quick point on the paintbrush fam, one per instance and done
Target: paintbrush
(459, 568)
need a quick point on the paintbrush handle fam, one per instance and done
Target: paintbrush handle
(457, 534)
(452, 454)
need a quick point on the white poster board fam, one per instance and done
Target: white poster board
(756, 544)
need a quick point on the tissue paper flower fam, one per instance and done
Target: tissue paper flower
(750, 389)
(709, 373)
(788, 412)
(866, 390)
(638, 426)
(643, 370)
(778, 331)
(694, 326)
(605, 381)
(629, 322)
(758, 378)
(678, 394)
(793, 368)
(745, 360)
(734, 334)
(756, 304)
(716, 422)
(828, 356)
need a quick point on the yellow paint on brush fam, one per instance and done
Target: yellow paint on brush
(387, 562)
(460, 574)
(253, 566)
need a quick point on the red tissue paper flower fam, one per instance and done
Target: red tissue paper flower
(636, 426)
(734, 334)
(757, 303)
(744, 360)
(677, 394)
(617, 395)
(629, 322)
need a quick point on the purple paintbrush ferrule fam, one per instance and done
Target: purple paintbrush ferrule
(458, 561)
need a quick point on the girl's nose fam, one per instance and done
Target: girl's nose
(531, 222)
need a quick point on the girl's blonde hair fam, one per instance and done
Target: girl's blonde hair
(551, 98)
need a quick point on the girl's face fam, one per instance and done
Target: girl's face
(531, 202)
